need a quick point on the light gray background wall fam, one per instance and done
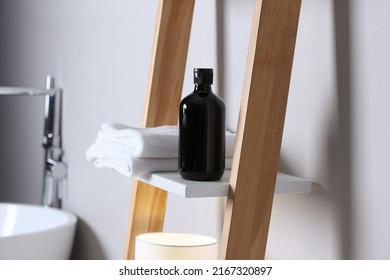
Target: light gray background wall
(336, 131)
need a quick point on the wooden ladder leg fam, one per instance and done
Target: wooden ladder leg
(166, 74)
(260, 129)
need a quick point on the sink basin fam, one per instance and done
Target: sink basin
(35, 232)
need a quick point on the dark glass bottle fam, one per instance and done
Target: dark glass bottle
(202, 131)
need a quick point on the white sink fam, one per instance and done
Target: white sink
(35, 232)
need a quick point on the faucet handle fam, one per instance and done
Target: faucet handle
(58, 169)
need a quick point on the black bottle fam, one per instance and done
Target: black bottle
(202, 131)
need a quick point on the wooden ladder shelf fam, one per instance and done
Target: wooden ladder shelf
(260, 125)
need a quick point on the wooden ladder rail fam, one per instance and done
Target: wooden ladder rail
(260, 126)
(166, 75)
(260, 129)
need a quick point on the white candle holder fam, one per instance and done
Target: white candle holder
(175, 246)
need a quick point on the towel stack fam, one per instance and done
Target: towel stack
(134, 151)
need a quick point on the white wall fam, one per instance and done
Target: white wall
(337, 133)
(99, 51)
(371, 132)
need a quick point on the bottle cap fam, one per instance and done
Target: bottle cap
(203, 76)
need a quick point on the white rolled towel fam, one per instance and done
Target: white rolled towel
(152, 142)
(124, 163)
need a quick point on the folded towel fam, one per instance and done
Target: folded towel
(130, 166)
(153, 142)
(126, 164)
(134, 151)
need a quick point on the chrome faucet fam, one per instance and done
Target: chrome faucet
(55, 169)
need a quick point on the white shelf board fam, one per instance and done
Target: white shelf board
(173, 183)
